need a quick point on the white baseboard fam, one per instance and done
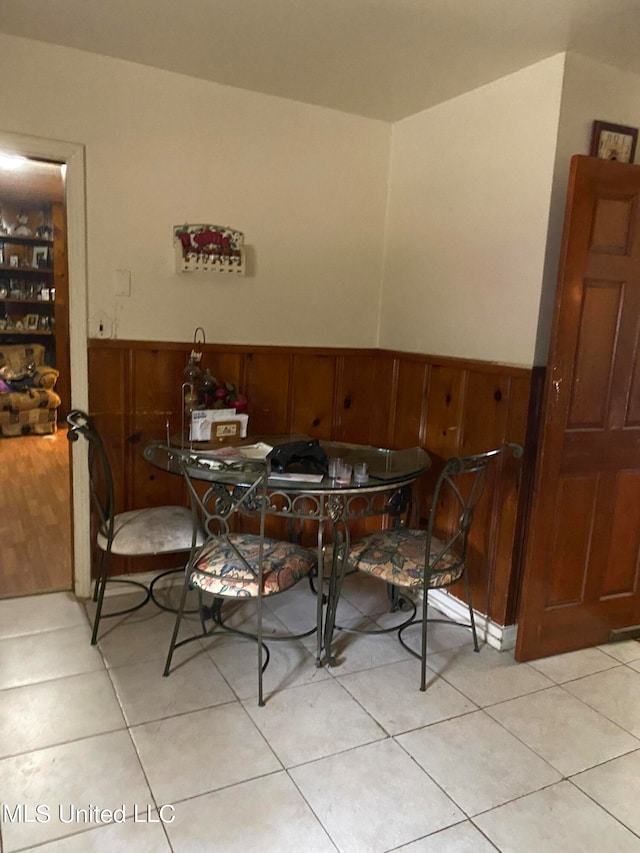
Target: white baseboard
(500, 637)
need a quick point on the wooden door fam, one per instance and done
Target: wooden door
(582, 560)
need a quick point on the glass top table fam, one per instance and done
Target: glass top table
(387, 491)
(387, 468)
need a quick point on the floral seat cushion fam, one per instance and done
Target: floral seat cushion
(220, 571)
(398, 557)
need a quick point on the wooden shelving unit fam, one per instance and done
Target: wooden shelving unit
(27, 292)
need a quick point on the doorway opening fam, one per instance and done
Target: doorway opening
(35, 498)
(70, 342)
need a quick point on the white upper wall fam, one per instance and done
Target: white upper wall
(306, 185)
(472, 191)
(591, 92)
(470, 186)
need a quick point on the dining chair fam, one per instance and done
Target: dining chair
(412, 562)
(234, 565)
(136, 533)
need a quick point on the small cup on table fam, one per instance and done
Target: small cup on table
(343, 475)
(360, 472)
(334, 463)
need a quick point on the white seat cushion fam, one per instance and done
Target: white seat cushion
(155, 530)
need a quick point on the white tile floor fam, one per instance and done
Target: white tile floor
(494, 756)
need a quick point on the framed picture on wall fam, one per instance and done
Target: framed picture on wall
(613, 142)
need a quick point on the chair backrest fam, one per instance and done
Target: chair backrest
(240, 488)
(100, 475)
(457, 494)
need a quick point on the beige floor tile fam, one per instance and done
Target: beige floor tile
(123, 596)
(616, 787)
(296, 609)
(366, 594)
(476, 762)
(142, 636)
(146, 695)
(51, 712)
(461, 838)
(117, 597)
(266, 814)
(169, 591)
(128, 837)
(564, 731)
(568, 667)
(394, 800)
(242, 615)
(559, 819)
(356, 652)
(290, 664)
(392, 696)
(615, 693)
(32, 658)
(441, 637)
(103, 771)
(34, 614)
(313, 720)
(207, 754)
(202, 751)
(488, 676)
(625, 651)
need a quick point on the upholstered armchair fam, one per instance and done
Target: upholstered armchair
(28, 403)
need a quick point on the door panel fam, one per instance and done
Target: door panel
(573, 523)
(601, 304)
(581, 565)
(622, 565)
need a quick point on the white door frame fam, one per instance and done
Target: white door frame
(73, 156)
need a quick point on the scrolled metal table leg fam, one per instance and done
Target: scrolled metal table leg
(341, 545)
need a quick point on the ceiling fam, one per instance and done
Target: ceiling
(30, 185)
(385, 59)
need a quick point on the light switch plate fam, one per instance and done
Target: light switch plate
(122, 282)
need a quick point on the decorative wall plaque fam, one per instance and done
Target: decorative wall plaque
(209, 248)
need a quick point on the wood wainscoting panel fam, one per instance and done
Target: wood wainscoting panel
(445, 410)
(379, 397)
(267, 377)
(409, 420)
(484, 426)
(155, 388)
(513, 500)
(313, 380)
(109, 380)
(382, 415)
(359, 393)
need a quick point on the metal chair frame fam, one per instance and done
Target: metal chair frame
(241, 490)
(102, 498)
(455, 545)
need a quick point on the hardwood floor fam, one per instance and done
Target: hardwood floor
(35, 515)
